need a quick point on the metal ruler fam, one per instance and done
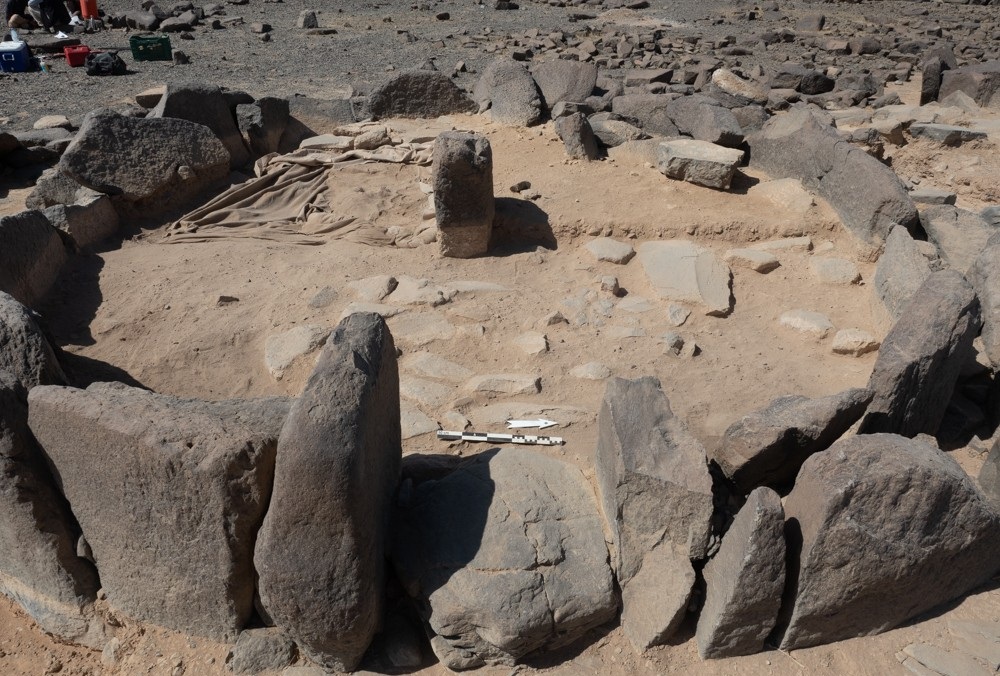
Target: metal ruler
(489, 437)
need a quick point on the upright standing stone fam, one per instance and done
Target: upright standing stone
(881, 529)
(320, 551)
(39, 568)
(745, 580)
(657, 496)
(922, 357)
(169, 493)
(463, 193)
(985, 279)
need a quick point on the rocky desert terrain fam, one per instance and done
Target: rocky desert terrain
(843, 255)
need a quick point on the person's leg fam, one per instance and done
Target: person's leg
(18, 21)
(36, 14)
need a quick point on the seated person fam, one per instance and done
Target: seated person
(51, 14)
(18, 16)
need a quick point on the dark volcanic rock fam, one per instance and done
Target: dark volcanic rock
(767, 447)
(25, 353)
(511, 93)
(922, 357)
(577, 136)
(31, 256)
(463, 193)
(320, 551)
(419, 93)
(881, 529)
(193, 478)
(901, 270)
(206, 105)
(506, 556)
(562, 80)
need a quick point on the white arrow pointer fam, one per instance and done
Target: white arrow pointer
(541, 423)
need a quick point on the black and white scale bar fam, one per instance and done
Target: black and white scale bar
(489, 437)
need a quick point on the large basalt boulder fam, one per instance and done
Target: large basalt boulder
(505, 555)
(656, 492)
(25, 352)
(88, 220)
(922, 357)
(169, 493)
(650, 110)
(158, 161)
(577, 136)
(959, 235)
(989, 475)
(902, 269)
(419, 94)
(463, 193)
(262, 124)
(981, 81)
(32, 255)
(767, 447)
(866, 194)
(320, 551)
(39, 568)
(744, 581)
(704, 119)
(54, 187)
(205, 104)
(510, 91)
(985, 279)
(562, 80)
(881, 529)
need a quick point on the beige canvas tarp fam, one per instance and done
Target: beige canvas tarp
(314, 195)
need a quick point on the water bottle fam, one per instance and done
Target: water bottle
(14, 36)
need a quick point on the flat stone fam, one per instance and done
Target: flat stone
(433, 366)
(380, 309)
(413, 422)
(677, 314)
(946, 662)
(683, 271)
(812, 323)
(834, 271)
(52, 122)
(497, 414)
(532, 343)
(947, 134)
(786, 245)
(786, 193)
(499, 384)
(752, 259)
(610, 250)
(625, 332)
(699, 162)
(412, 291)
(373, 289)
(281, 350)
(930, 195)
(421, 329)
(854, 342)
(425, 392)
(592, 370)
(740, 91)
(655, 601)
(744, 581)
(635, 305)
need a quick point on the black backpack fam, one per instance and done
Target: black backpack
(104, 63)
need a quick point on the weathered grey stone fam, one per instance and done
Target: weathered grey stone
(577, 136)
(511, 93)
(881, 529)
(901, 270)
(981, 81)
(613, 133)
(699, 162)
(834, 270)
(754, 259)
(39, 568)
(801, 79)
(463, 193)
(88, 220)
(650, 110)
(175, 467)
(930, 195)
(419, 94)
(506, 556)
(683, 271)
(732, 90)
(206, 105)
(655, 600)
(854, 342)
(306, 19)
(657, 497)
(744, 581)
(985, 279)
(281, 350)
(504, 383)
(991, 215)
(930, 79)
(947, 134)
(989, 475)
(320, 550)
(258, 650)
(922, 357)
(767, 447)
(141, 160)
(866, 194)
(704, 119)
(815, 324)
(31, 256)
(562, 80)
(610, 250)
(262, 123)
(25, 352)
(54, 187)
(959, 235)
(652, 474)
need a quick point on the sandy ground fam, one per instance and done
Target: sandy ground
(150, 307)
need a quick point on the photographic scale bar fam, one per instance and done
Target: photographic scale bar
(492, 438)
